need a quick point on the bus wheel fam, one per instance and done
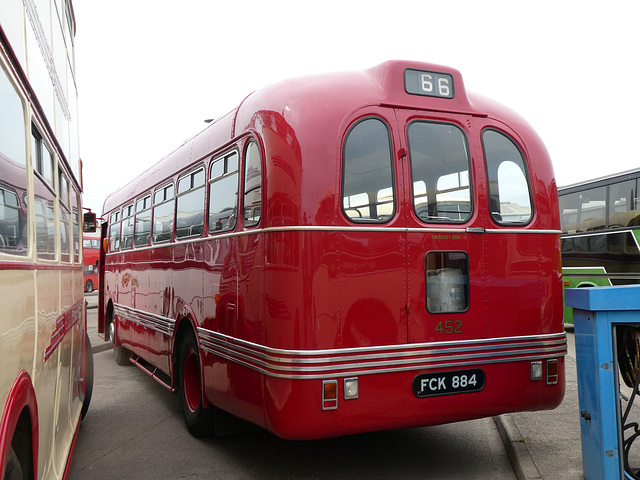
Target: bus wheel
(199, 420)
(89, 286)
(13, 470)
(122, 354)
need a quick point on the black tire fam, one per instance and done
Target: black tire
(14, 469)
(89, 286)
(88, 380)
(199, 420)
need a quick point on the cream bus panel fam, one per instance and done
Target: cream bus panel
(17, 327)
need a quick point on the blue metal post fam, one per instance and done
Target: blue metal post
(596, 312)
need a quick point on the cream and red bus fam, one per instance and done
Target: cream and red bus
(45, 372)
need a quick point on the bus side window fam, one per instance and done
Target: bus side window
(509, 192)
(162, 214)
(367, 177)
(126, 226)
(569, 210)
(114, 232)
(63, 200)
(223, 193)
(44, 190)
(142, 222)
(592, 210)
(622, 207)
(252, 199)
(75, 216)
(190, 205)
(13, 223)
(14, 236)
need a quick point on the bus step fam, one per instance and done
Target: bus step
(154, 372)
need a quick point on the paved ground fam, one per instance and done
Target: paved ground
(541, 445)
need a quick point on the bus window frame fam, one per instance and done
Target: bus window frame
(64, 215)
(114, 225)
(199, 228)
(252, 222)
(127, 216)
(379, 220)
(414, 179)
(211, 181)
(165, 200)
(526, 174)
(136, 213)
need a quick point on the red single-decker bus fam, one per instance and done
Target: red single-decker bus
(344, 253)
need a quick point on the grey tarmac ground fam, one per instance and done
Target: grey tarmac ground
(539, 445)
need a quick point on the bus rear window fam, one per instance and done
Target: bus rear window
(367, 187)
(440, 172)
(509, 193)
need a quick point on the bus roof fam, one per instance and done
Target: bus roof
(324, 95)
(600, 181)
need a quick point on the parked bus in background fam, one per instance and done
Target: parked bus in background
(45, 367)
(600, 232)
(91, 261)
(344, 253)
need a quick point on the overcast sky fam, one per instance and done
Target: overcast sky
(150, 72)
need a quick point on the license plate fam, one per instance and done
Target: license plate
(448, 383)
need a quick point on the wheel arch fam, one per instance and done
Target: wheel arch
(19, 423)
(186, 322)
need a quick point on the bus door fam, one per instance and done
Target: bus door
(446, 238)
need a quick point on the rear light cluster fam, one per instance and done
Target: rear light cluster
(537, 371)
(350, 390)
(330, 392)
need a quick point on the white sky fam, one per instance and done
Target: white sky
(150, 72)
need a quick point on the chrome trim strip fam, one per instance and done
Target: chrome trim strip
(327, 228)
(557, 337)
(346, 362)
(158, 323)
(522, 230)
(314, 364)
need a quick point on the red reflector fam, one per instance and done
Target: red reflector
(552, 372)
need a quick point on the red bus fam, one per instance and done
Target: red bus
(344, 253)
(91, 261)
(46, 368)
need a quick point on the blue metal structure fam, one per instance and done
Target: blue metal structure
(597, 314)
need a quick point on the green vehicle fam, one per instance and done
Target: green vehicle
(600, 232)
